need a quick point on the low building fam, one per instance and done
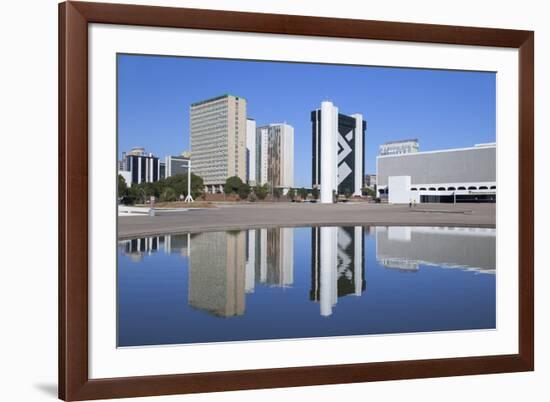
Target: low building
(451, 175)
(370, 181)
(142, 166)
(176, 165)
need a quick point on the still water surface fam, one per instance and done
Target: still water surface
(277, 283)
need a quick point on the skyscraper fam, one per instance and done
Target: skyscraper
(218, 140)
(275, 155)
(251, 151)
(338, 151)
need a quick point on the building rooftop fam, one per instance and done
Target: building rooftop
(413, 154)
(399, 141)
(215, 99)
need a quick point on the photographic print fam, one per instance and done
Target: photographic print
(264, 200)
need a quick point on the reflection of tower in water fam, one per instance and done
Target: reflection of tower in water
(270, 257)
(223, 266)
(217, 273)
(337, 261)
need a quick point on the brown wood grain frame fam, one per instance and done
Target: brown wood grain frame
(74, 382)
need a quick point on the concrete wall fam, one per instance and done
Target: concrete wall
(476, 164)
(400, 190)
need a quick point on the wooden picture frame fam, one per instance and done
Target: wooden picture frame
(74, 382)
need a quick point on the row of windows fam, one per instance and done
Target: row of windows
(454, 188)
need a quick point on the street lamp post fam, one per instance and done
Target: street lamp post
(189, 198)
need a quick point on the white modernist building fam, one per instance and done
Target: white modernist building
(338, 152)
(451, 175)
(251, 151)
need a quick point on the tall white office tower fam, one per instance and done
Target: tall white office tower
(329, 148)
(275, 155)
(338, 152)
(251, 151)
(359, 147)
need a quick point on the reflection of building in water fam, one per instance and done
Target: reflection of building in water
(177, 244)
(405, 248)
(270, 257)
(337, 264)
(171, 244)
(217, 272)
(137, 248)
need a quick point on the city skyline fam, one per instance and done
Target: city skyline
(155, 94)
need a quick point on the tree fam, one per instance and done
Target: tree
(315, 193)
(291, 194)
(179, 184)
(232, 184)
(261, 191)
(168, 194)
(277, 192)
(122, 187)
(244, 191)
(368, 191)
(132, 194)
(302, 192)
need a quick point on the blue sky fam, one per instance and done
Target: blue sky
(443, 109)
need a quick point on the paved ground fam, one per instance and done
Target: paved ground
(250, 215)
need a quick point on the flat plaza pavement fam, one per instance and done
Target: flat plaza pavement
(256, 215)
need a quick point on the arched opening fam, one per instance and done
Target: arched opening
(441, 189)
(493, 187)
(451, 188)
(422, 188)
(483, 188)
(432, 189)
(414, 189)
(472, 188)
(462, 188)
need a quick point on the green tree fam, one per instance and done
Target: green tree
(291, 194)
(261, 192)
(315, 193)
(244, 191)
(168, 194)
(368, 191)
(302, 192)
(132, 195)
(179, 184)
(232, 184)
(277, 192)
(122, 187)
